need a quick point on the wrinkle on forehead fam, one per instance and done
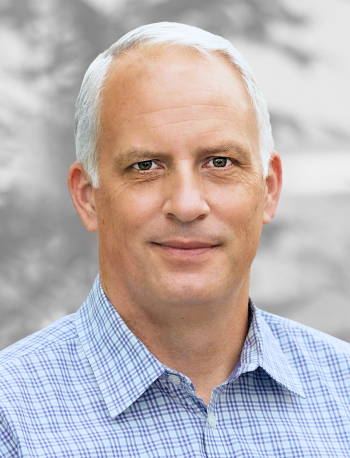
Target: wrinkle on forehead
(139, 65)
(183, 106)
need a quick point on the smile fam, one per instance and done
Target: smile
(185, 249)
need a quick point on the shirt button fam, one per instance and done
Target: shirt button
(212, 420)
(175, 379)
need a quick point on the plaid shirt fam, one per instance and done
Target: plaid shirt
(87, 387)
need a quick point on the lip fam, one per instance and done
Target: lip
(181, 249)
(186, 244)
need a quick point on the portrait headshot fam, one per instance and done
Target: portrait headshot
(176, 182)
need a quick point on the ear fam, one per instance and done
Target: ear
(83, 196)
(273, 187)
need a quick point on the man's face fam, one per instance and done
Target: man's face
(181, 199)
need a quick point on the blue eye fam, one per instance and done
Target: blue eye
(145, 165)
(219, 162)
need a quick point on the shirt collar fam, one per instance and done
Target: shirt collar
(122, 365)
(125, 369)
(262, 349)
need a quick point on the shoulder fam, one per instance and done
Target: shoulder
(48, 339)
(288, 331)
(38, 370)
(40, 353)
(31, 373)
(318, 358)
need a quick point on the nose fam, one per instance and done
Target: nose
(186, 200)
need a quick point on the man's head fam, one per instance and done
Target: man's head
(87, 119)
(181, 196)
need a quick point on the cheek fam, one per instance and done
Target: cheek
(124, 212)
(140, 206)
(240, 204)
(242, 212)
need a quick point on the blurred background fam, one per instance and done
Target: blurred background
(299, 50)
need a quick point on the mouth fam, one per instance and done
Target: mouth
(185, 248)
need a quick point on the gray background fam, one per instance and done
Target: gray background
(299, 52)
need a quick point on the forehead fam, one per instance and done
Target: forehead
(136, 72)
(146, 87)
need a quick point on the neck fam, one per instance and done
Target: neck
(203, 342)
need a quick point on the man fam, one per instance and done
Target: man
(168, 356)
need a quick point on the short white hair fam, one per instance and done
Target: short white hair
(87, 115)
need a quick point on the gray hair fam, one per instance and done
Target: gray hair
(88, 103)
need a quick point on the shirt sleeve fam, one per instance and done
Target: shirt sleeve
(8, 440)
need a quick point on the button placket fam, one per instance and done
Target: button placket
(181, 390)
(212, 420)
(175, 379)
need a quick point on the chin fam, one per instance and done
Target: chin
(189, 291)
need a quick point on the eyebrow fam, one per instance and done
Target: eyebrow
(135, 155)
(231, 147)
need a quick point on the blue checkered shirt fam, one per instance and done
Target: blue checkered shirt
(87, 387)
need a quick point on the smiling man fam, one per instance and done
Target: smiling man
(168, 356)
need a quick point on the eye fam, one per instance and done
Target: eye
(219, 162)
(145, 165)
